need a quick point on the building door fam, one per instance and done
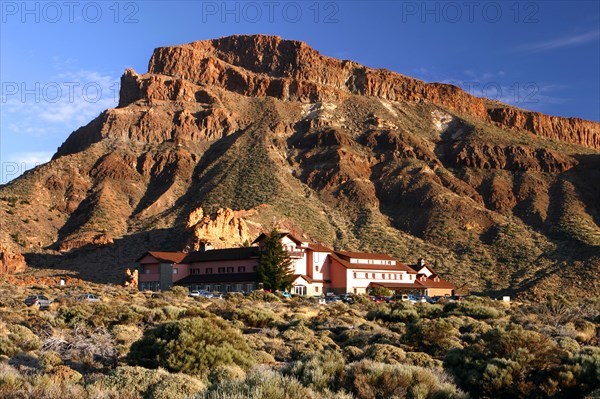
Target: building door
(300, 289)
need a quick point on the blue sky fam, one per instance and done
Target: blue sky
(60, 62)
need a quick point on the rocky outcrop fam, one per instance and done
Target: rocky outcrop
(513, 158)
(10, 261)
(568, 130)
(131, 278)
(261, 66)
(86, 239)
(226, 229)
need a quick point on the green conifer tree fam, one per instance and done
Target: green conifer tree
(274, 264)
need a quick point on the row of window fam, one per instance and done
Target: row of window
(373, 261)
(239, 287)
(228, 269)
(383, 276)
(149, 286)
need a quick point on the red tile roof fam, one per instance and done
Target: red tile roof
(365, 266)
(319, 248)
(431, 283)
(165, 257)
(304, 276)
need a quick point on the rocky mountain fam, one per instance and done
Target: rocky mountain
(223, 138)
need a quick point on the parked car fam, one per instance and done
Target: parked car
(377, 298)
(38, 300)
(319, 300)
(332, 299)
(421, 298)
(399, 298)
(347, 298)
(89, 298)
(202, 293)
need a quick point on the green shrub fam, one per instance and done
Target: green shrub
(371, 380)
(263, 296)
(507, 362)
(381, 291)
(403, 312)
(435, 336)
(261, 385)
(580, 374)
(384, 353)
(73, 315)
(255, 317)
(156, 384)
(224, 373)
(472, 309)
(321, 371)
(16, 339)
(422, 359)
(178, 291)
(191, 346)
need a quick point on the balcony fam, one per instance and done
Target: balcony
(295, 254)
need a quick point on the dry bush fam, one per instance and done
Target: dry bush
(384, 353)
(321, 372)
(83, 347)
(256, 317)
(371, 380)
(435, 337)
(157, 384)
(261, 384)
(403, 312)
(474, 309)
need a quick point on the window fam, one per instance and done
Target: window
(147, 270)
(355, 291)
(241, 269)
(250, 287)
(354, 275)
(217, 288)
(175, 271)
(238, 288)
(209, 270)
(228, 288)
(316, 289)
(316, 268)
(221, 270)
(230, 269)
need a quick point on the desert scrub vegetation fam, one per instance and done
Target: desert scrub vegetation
(191, 346)
(135, 345)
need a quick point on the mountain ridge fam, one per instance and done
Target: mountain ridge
(356, 158)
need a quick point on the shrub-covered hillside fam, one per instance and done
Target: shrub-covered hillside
(137, 345)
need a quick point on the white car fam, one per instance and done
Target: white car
(203, 293)
(88, 298)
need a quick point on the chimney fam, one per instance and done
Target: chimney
(205, 246)
(421, 262)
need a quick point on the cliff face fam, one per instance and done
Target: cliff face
(225, 137)
(568, 130)
(11, 262)
(291, 70)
